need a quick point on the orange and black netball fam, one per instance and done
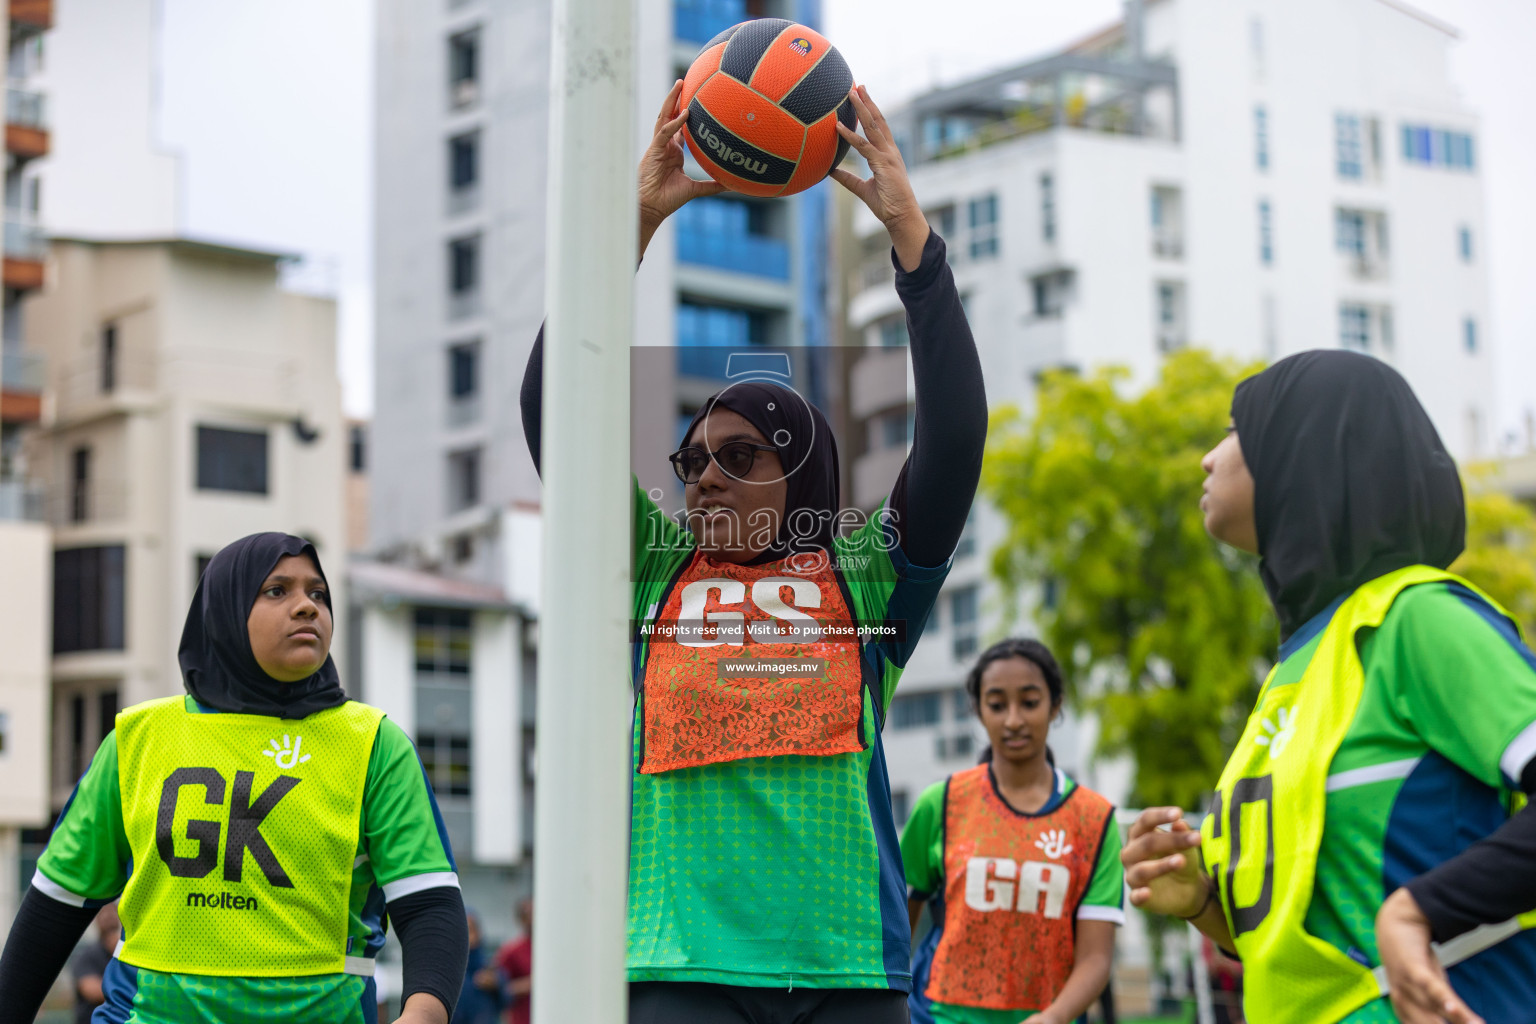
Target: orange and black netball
(763, 100)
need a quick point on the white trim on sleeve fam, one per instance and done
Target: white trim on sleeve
(1090, 912)
(1518, 754)
(420, 883)
(48, 887)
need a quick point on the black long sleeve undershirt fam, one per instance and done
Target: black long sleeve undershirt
(1490, 881)
(43, 935)
(933, 493)
(433, 941)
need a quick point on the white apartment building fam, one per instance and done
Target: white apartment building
(193, 402)
(1254, 176)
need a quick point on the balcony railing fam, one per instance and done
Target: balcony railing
(745, 254)
(23, 371)
(24, 238)
(699, 21)
(21, 499)
(88, 501)
(26, 107)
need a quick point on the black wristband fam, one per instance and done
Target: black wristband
(1210, 897)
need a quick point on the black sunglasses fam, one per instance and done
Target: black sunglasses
(735, 458)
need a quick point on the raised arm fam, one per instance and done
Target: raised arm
(933, 494)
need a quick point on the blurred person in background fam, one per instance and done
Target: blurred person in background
(259, 830)
(480, 995)
(90, 962)
(515, 961)
(1019, 865)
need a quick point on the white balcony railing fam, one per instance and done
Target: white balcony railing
(24, 237)
(23, 371)
(26, 107)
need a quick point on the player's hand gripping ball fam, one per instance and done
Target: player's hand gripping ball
(763, 100)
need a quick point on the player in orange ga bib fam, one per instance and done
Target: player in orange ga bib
(1019, 865)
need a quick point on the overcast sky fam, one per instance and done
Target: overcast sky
(273, 124)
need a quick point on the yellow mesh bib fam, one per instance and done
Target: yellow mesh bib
(243, 830)
(1261, 839)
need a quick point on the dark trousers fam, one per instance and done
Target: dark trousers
(683, 1002)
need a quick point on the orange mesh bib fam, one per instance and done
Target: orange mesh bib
(751, 661)
(1012, 885)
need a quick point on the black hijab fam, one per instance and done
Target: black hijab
(807, 451)
(217, 665)
(1350, 479)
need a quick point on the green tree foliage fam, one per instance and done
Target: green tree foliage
(1101, 494)
(1501, 551)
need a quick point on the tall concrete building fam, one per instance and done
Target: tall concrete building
(462, 101)
(1257, 177)
(25, 598)
(459, 257)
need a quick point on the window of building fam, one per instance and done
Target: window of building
(1355, 327)
(80, 486)
(1349, 232)
(1047, 207)
(90, 716)
(109, 358)
(896, 428)
(1170, 316)
(464, 160)
(464, 265)
(900, 809)
(464, 68)
(914, 710)
(964, 621)
(5, 735)
(445, 759)
(1266, 235)
(719, 326)
(1464, 243)
(960, 705)
(1167, 216)
(463, 370)
(444, 640)
(231, 460)
(1437, 147)
(983, 215)
(463, 479)
(1469, 334)
(943, 221)
(1348, 155)
(893, 332)
(967, 545)
(951, 747)
(1261, 138)
(1051, 293)
(88, 599)
(199, 566)
(1385, 329)
(1256, 43)
(357, 445)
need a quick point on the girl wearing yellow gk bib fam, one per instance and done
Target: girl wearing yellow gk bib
(1366, 806)
(258, 831)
